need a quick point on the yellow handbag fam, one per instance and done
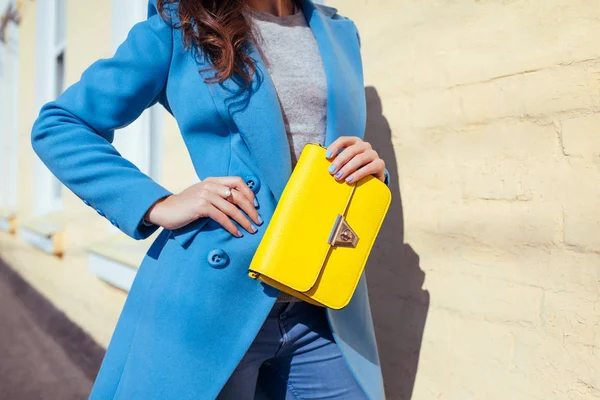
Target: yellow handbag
(318, 240)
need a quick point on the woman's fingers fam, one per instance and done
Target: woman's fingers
(236, 196)
(369, 168)
(222, 218)
(350, 171)
(346, 155)
(350, 160)
(246, 205)
(340, 143)
(235, 182)
(230, 210)
(356, 159)
(219, 189)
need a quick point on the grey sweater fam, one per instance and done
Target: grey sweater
(291, 55)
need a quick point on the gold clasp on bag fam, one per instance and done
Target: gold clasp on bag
(342, 234)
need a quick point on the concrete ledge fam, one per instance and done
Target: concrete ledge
(116, 259)
(8, 221)
(45, 233)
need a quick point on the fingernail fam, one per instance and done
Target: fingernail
(239, 234)
(254, 228)
(260, 220)
(328, 154)
(255, 202)
(332, 168)
(348, 179)
(338, 174)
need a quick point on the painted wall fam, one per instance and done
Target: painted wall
(485, 281)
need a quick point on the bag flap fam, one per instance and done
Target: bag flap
(295, 244)
(364, 215)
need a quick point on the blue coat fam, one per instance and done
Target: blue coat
(190, 316)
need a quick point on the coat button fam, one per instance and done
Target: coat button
(87, 203)
(217, 258)
(99, 211)
(112, 221)
(253, 182)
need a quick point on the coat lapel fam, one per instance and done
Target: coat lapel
(256, 114)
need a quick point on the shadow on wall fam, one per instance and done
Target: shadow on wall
(395, 279)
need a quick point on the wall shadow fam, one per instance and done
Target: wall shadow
(395, 279)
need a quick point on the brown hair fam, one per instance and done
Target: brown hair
(217, 29)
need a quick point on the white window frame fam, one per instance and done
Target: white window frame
(141, 141)
(9, 100)
(3, 131)
(47, 52)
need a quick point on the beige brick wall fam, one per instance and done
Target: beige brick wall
(490, 123)
(485, 279)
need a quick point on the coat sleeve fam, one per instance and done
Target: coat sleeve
(387, 177)
(73, 134)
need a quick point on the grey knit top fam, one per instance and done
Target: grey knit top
(291, 55)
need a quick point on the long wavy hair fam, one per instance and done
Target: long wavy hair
(219, 30)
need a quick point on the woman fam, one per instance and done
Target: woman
(249, 83)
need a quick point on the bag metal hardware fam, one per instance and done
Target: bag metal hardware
(342, 234)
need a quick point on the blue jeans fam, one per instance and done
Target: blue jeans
(294, 356)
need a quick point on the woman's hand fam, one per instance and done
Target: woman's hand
(357, 160)
(214, 197)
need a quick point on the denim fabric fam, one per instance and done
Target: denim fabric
(293, 357)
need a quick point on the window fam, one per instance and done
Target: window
(3, 135)
(9, 95)
(51, 47)
(59, 81)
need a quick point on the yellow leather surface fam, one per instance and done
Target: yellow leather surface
(344, 265)
(294, 255)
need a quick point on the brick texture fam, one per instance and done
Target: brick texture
(490, 125)
(581, 136)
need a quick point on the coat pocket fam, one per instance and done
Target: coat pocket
(185, 234)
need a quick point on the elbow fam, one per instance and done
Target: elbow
(45, 128)
(38, 132)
